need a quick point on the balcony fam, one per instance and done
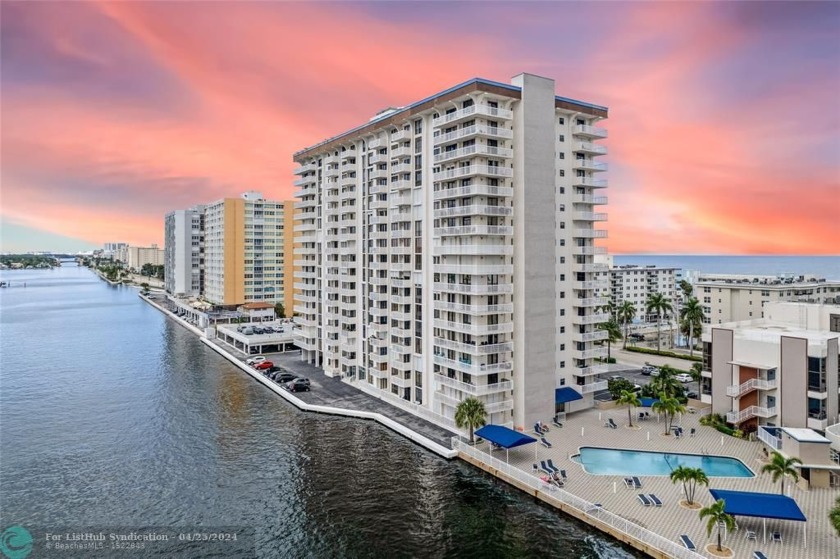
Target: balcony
(591, 319)
(736, 417)
(402, 382)
(401, 168)
(475, 269)
(588, 250)
(376, 143)
(305, 180)
(498, 407)
(589, 165)
(589, 234)
(595, 336)
(586, 181)
(347, 155)
(401, 136)
(475, 349)
(590, 148)
(594, 284)
(306, 168)
(470, 170)
(592, 387)
(472, 368)
(589, 216)
(768, 436)
(473, 389)
(591, 353)
(474, 130)
(593, 267)
(592, 370)
(465, 230)
(749, 386)
(401, 184)
(474, 309)
(379, 174)
(473, 209)
(474, 289)
(474, 329)
(473, 190)
(590, 132)
(473, 250)
(472, 111)
(591, 302)
(589, 199)
(473, 151)
(402, 151)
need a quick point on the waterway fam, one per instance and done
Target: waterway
(113, 416)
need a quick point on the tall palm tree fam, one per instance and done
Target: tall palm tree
(669, 407)
(692, 313)
(690, 478)
(626, 313)
(834, 516)
(628, 398)
(781, 467)
(659, 304)
(471, 414)
(613, 334)
(609, 308)
(718, 517)
(696, 373)
(667, 382)
(686, 288)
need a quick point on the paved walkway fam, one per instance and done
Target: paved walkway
(586, 428)
(332, 391)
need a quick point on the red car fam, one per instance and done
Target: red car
(264, 365)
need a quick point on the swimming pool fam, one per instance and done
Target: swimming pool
(609, 461)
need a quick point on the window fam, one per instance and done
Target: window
(561, 120)
(562, 155)
(562, 138)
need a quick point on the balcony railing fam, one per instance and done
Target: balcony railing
(473, 209)
(586, 181)
(472, 151)
(474, 389)
(473, 190)
(468, 170)
(474, 250)
(590, 199)
(589, 147)
(765, 436)
(589, 165)
(591, 319)
(590, 234)
(306, 168)
(474, 329)
(476, 109)
(474, 309)
(592, 387)
(475, 269)
(590, 131)
(475, 289)
(475, 349)
(484, 230)
(589, 216)
(475, 130)
(750, 385)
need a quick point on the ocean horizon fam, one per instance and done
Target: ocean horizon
(827, 267)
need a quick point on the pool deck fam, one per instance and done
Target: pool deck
(670, 520)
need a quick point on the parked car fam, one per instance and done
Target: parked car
(637, 388)
(648, 369)
(285, 377)
(693, 395)
(654, 372)
(274, 369)
(636, 337)
(683, 377)
(264, 365)
(298, 385)
(254, 360)
(616, 377)
(248, 331)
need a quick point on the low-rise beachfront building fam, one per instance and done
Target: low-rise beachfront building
(445, 250)
(636, 283)
(779, 371)
(729, 297)
(819, 467)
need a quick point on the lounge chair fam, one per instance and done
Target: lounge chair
(556, 423)
(545, 467)
(655, 500)
(777, 537)
(628, 482)
(563, 474)
(692, 432)
(643, 499)
(544, 442)
(612, 424)
(686, 541)
(759, 555)
(637, 482)
(537, 429)
(751, 535)
(552, 466)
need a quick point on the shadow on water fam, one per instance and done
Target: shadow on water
(113, 415)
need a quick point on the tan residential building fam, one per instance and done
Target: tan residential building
(729, 298)
(777, 371)
(137, 257)
(445, 250)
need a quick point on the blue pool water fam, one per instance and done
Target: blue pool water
(608, 461)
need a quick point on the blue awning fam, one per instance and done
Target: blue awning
(761, 505)
(504, 437)
(566, 394)
(648, 402)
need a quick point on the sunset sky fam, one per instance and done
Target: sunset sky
(724, 117)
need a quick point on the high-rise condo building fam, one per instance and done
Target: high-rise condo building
(445, 250)
(184, 252)
(231, 251)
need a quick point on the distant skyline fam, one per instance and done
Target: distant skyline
(724, 125)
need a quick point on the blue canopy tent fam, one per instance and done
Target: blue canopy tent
(761, 505)
(566, 394)
(505, 438)
(648, 402)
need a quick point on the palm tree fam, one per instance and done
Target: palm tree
(692, 313)
(613, 334)
(686, 288)
(470, 413)
(667, 382)
(834, 516)
(626, 313)
(690, 478)
(628, 398)
(696, 373)
(609, 308)
(781, 467)
(670, 407)
(659, 304)
(719, 518)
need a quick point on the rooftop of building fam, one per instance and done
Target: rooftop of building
(805, 435)
(782, 281)
(764, 330)
(475, 84)
(645, 268)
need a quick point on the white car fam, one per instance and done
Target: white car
(255, 360)
(683, 377)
